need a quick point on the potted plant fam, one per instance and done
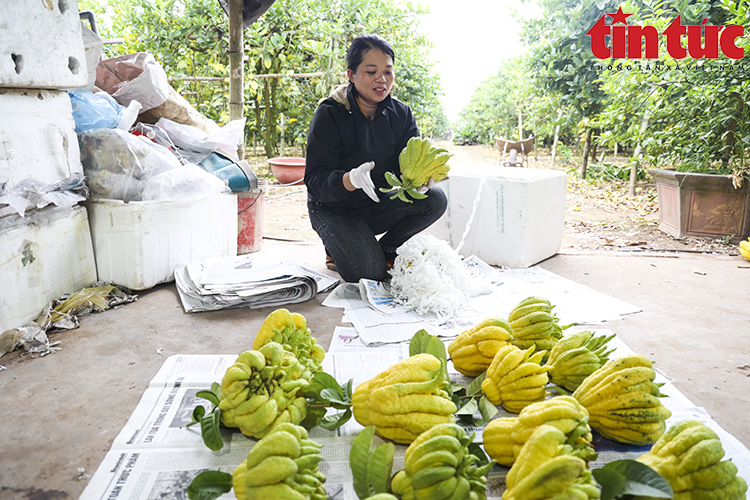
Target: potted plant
(701, 130)
(702, 204)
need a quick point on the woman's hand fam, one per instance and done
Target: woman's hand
(360, 178)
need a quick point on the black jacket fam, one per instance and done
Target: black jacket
(341, 139)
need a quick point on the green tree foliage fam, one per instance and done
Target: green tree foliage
(293, 37)
(695, 111)
(560, 56)
(698, 111)
(187, 38)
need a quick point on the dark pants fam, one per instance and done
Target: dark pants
(350, 236)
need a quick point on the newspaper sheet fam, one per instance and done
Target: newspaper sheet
(380, 318)
(155, 456)
(253, 281)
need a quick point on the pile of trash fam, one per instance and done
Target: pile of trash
(141, 141)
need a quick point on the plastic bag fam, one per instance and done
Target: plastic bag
(118, 164)
(188, 182)
(92, 111)
(134, 76)
(123, 166)
(155, 134)
(197, 145)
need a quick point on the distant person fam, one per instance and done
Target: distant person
(356, 136)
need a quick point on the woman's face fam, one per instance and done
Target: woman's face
(374, 76)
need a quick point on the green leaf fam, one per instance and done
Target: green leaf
(423, 342)
(216, 389)
(209, 484)
(416, 194)
(470, 408)
(358, 461)
(379, 468)
(402, 196)
(336, 420)
(418, 343)
(476, 450)
(320, 382)
(314, 416)
(332, 396)
(198, 413)
(391, 179)
(475, 386)
(347, 388)
(630, 477)
(210, 430)
(209, 395)
(457, 388)
(436, 347)
(610, 481)
(487, 409)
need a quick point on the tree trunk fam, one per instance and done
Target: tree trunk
(272, 124)
(268, 143)
(586, 149)
(594, 147)
(236, 70)
(554, 141)
(636, 154)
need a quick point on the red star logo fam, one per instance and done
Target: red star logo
(619, 17)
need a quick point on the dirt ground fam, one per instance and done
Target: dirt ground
(599, 215)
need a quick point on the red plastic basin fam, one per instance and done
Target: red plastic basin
(288, 169)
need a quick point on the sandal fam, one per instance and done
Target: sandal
(330, 264)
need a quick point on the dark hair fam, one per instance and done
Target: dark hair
(362, 44)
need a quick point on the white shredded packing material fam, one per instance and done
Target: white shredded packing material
(430, 276)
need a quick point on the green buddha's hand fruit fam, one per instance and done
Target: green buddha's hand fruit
(419, 162)
(262, 389)
(283, 465)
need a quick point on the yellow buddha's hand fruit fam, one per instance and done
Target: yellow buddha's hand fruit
(405, 400)
(515, 378)
(472, 351)
(291, 331)
(504, 437)
(623, 401)
(544, 469)
(745, 248)
(533, 324)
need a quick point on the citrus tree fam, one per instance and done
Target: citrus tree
(290, 41)
(696, 110)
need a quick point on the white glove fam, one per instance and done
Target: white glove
(423, 189)
(361, 179)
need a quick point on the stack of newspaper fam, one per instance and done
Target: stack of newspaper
(253, 280)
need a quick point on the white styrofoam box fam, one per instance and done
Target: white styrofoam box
(42, 260)
(139, 244)
(519, 214)
(37, 136)
(41, 45)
